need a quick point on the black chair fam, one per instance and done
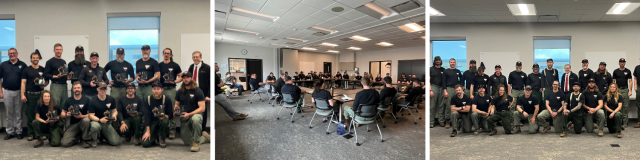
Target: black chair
(410, 106)
(387, 102)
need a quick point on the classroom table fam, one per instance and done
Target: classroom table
(342, 101)
(354, 83)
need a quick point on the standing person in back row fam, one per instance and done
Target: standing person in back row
(9, 71)
(170, 70)
(497, 79)
(147, 71)
(436, 97)
(584, 75)
(91, 76)
(468, 76)
(536, 83)
(549, 75)
(202, 76)
(623, 78)
(121, 74)
(77, 64)
(636, 74)
(603, 78)
(568, 78)
(31, 92)
(451, 78)
(516, 82)
(58, 80)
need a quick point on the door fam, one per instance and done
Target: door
(327, 67)
(254, 66)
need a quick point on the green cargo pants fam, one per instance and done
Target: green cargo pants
(516, 94)
(547, 91)
(107, 132)
(575, 118)
(157, 129)
(191, 129)
(466, 121)
(134, 127)
(116, 92)
(589, 120)
(614, 123)
(517, 120)
(479, 121)
(30, 111)
(625, 106)
(171, 94)
(435, 105)
(545, 115)
(500, 116)
(349, 113)
(144, 92)
(466, 92)
(538, 95)
(59, 93)
(447, 103)
(53, 129)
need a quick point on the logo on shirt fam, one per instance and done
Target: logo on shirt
(146, 66)
(108, 105)
(90, 71)
(485, 79)
(464, 103)
(625, 73)
(191, 95)
(595, 96)
(125, 68)
(487, 101)
(20, 67)
(585, 75)
(81, 106)
(457, 73)
(604, 78)
(529, 102)
(40, 73)
(577, 99)
(84, 65)
(170, 69)
(522, 76)
(558, 98)
(539, 77)
(494, 78)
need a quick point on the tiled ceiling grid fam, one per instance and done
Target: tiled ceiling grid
(302, 14)
(497, 11)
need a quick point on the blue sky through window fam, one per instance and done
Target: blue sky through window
(560, 58)
(450, 49)
(7, 36)
(131, 41)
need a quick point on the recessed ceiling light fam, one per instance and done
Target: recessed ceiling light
(332, 51)
(354, 48)
(411, 27)
(307, 48)
(329, 44)
(252, 14)
(337, 9)
(522, 9)
(376, 10)
(360, 38)
(386, 44)
(296, 39)
(238, 30)
(434, 12)
(320, 29)
(623, 8)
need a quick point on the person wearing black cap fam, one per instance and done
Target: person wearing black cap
(436, 89)
(554, 107)
(497, 79)
(623, 78)
(479, 79)
(388, 91)
(585, 74)
(499, 111)
(451, 77)
(460, 108)
(170, 70)
(536, 83)
(92, 75)
(58, 80)
(221, 98)
(549, 75)
(149, 66)
(603, 78)
(568, 78)
(30, 91)
(468, 76)
(193, 101)
(573, 110)
(99, 122)
(636, 74)
(527, 108)
(480, 108)
(594, 108)
(517, 81)
(77, 64)
(156, 127)
(76, 126)
(130, 124)
(126, 73)
(613, 104)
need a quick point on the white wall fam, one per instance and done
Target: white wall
(363, 59)
(225, 51)
(319, 59)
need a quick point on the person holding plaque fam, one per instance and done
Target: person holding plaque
(156, 124)
(102, 112)
(33, 82)
(130, 121)
(47, 114)
(76, 66)
(121, 73)
(171, 75)
(91, 76)
(55, 69)
(191, 120)
(74, 113)
(147, 72)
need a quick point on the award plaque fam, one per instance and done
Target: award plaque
(52, 115)
(108, 115)
(158, 111)
(143, 75)
(121, 77)
(75, 109)
(97, 78)
(177, 110)
(169, 77)
(63, 70)
(39, 81)
(72, 75)
(132, 108)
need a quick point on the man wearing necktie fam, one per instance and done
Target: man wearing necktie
(568, 78)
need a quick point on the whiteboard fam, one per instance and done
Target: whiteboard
(190, 43)
(611, 58)
(69, 42)
(506, 60)
(307, 66)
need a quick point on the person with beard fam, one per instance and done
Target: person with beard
(222, 100)
(452, 77)
(613, 104)
(338, 78)
(549, 75)
(624, 80)
(499, 111)
(527, 108)
(636, 74)
(42, 123)
(31, 92)
(122, 67)
(479, 79)
(516, 82)
(130, 124)
(554, 107)
(58, 80)
(593, 107)
(403, 79)
(169, 87)
(99, 122)
(279, 84)
(202, 76)
(156, 127)
(78, 64)
(76, 124)
(89, 73)
(585, 74)
(536, 83)
(191, 119)
(460, 107)
(150, 67)
(468, 76)
(568, 78)
(327, 79)
(480, 110)
(603, 78)
(497, 79)
(573, 110)
(436, 89)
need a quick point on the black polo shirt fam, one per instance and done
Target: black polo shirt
(517, 80)
(482, 103)
(591, 98)
(51, 69)
(77, 68)
(535, 80)
(452, 77)
(529, 104)
(573, 101)
(436, 76)
(501, 106)
(115, 67)
(584, 77)
(271, 78)
(9, 72)
(86, 76)
(603, 80)
(467, 78)
(481, 80)
(124, 101)
(358, 77)
(150, 118)
(166, 68)
(190, 98)
(622, 77)
(30, 75)
(338, 76)
(555, 99)
(465, 101)
(611, 102)
(150, 66)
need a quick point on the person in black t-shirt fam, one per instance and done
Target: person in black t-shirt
(367, 96)
(378, 80)
(77, 64)
(338, 80)
(320, 93)
(327, 80)
(527, 108)
(256, 85)
(278, 86)
(594, 108)
(193, 101)
(44, 123)
(130, 124)
(58, 80)
(388, 91)
(296, 93)
(499, 111)
(100, 123)
(403, 79)
(573, 110)
(358, 77)
(170, 70)
(460, 108)
(122, 72)
(409, 98)
(624, 79)
(92, 74)
(613, 104)
(554, 102)
(149, 66)
(156, 127)
(29, 92)
(480, 108)
(76, 124)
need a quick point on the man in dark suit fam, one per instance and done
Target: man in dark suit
(565, 87)
(202, 76)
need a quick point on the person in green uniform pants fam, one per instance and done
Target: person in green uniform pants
(32, 92)
(170, 68)
(549, 75)
(130, 124)
(593, 107)
(435, 95)
(499, 111)
(156, 127)
(527, 107)
(516, 82)
(46, 122)
(480, 108)
(614, 102)
(451, 77)
(191, 119)
(535, 81)
(554, 102)
(460, 107)
(100, 124)
(573, 110)
(623, 78)
(147, 72)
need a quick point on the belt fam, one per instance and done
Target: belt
(624, 87)
(170, 87)
(29, 92)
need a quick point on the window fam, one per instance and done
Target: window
(450, 49)
(557, 49)
(131, 33)
(8, 37)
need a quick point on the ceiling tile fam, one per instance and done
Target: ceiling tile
(239, 18)
(445, 7)
(326, 24)
(323, 15)
(571, 12)
(574, 1)
(457, 13)
(495, 7)
(463, 18)
(547, 12)
(319, 4)
(255, 27)
(477, 13)
(236, 24)
(283, 4)
(468, 7)
(594, 12)
(527, 18)
(613, 16)
(464, 2)
(484, 18)
(548, 7)
(390, 3)
(304, 10)
(603, 6)
(354, 3)
(506, 19)
(603, 1)
(338, 20)
(352, 14)
(336, 4)
(260, 22)
(547, 1)
(573, 6)
(587, 18)
(273, 11)
(248, 5)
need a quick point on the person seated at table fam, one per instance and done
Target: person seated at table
(296, 93)
(231, 82)
(358, 77)
(309, 79)
(345, 77)
(338, 78)
(279, 84)
(387, 91)
(366, 96)
(319, 92)
(327, 79)
(403, 99)
(379, 80)
(315, 76)
(271, 80)
(256, 85)
(403, 79)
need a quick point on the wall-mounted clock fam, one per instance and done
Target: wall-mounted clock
(244, 51)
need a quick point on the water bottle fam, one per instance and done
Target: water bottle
(340, 129)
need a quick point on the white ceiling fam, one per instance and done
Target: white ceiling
(497, 11)
(298, 15)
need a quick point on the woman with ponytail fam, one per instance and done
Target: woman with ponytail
(43, 122)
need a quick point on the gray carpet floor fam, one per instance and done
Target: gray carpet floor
(534, 146)
(261, 136)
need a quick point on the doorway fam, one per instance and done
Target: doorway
(380, 67)
(242, 68)
(327, 67)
